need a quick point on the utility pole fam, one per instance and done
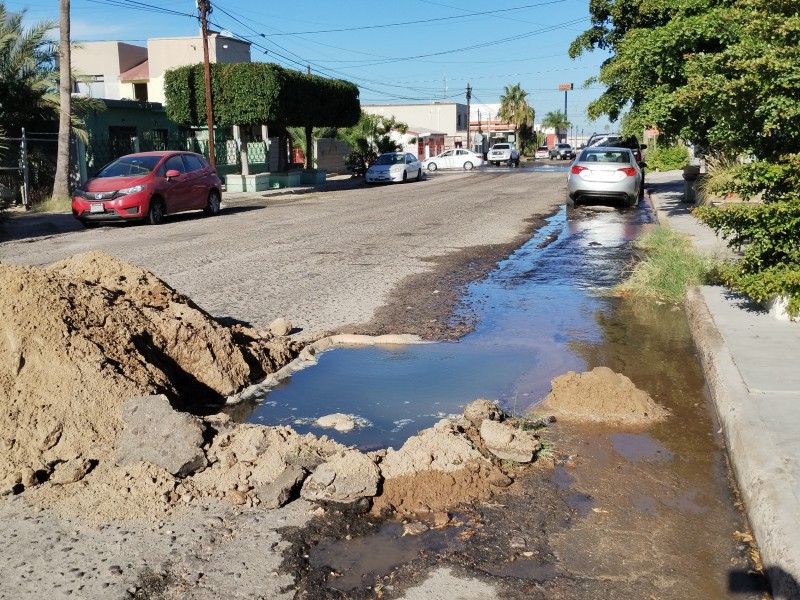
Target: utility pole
(469, 97)
(204, 6)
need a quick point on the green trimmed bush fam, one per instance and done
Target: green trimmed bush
(667, 158)
(260, 93)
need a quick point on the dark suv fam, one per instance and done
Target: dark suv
(562, 151)
(618, 141)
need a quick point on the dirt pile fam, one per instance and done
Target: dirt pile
(81, 336)
(601, 395)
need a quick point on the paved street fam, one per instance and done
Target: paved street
(322, 260)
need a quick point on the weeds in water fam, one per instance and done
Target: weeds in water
(669, 265)
(547, 451)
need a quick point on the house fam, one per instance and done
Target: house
(129, 79)
(448, 118)
(121, 71)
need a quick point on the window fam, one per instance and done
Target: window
(140, 91)
(174, 163)
(193, 163)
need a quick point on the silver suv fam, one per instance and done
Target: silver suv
(562, 151)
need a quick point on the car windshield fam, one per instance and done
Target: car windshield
(130, 166)
(606, 156)
(501, 146)
(389, 159)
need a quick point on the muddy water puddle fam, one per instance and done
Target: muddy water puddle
(620, 512)
(530, 312)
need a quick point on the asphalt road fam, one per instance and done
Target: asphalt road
(324, 259)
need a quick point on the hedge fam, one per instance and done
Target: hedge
(260, 93)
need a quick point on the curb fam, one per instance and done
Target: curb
(756, 461)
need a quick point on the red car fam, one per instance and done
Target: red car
(147, 186)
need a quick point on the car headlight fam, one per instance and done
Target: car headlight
(133, 190)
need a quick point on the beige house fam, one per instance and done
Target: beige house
(120, 71)
(449, 118)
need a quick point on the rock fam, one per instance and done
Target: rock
(477, 411)
(156, 433)
(70, 471)
(339, 421)
(343, 479)
(441, 448)
(509, 443)
(236, 497)
(280, 491)
(280, 327)
(499, 479)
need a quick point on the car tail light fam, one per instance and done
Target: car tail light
(576, 169)
(629, 171)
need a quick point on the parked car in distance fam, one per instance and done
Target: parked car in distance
(503, 152)
(394, 166)
(542, 152)
(606, 172)
(148, 186)
(562, 151)
(616, 139)
(457, 158)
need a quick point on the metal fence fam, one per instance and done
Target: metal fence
(104, 148)
(27, 167)
(28, 162)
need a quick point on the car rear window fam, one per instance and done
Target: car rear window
(606, 156)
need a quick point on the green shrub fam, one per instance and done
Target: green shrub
(667, 158)
(768, 233)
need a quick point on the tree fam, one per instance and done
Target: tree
(370, 137)
(26, 73)
(61, 183)
(261, 93)
(514, 108)
(557, 120)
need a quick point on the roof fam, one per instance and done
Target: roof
(140, 72)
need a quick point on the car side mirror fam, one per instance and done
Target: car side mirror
(172, 173)
(642, 164)
(643, 146)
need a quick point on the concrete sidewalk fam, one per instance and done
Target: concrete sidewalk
(752, 366)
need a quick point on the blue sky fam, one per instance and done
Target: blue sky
(405, 52)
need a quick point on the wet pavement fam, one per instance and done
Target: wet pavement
(620, 512)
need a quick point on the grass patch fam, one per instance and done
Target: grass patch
(53, 205)
(669, 265)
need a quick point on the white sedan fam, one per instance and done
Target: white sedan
(394, 166)
(458, 158)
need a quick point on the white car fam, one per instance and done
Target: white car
(503, 153)
(457, 158)
(394, 166)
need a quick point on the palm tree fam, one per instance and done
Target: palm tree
(61, 182)
(514, 108)
(26, 68)
(557, 120)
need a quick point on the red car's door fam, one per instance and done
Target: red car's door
(197, 178)
(176, 190)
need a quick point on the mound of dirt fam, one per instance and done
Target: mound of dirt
(601, 395)
(81, 336)
(96, 355)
